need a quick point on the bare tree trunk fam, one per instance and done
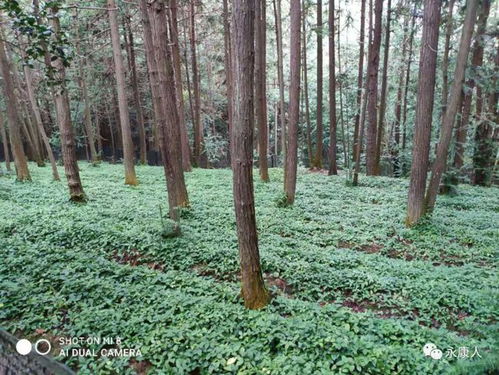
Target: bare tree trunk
(320, 73)
(161, 76)
(5, 143)
(39, 122)
(63, 111)
(173, 23)
(20, 161)
(228, 68)
(445, 62)
(476, 61)
(372, 96)
(253, 289)
(260, 86)
(333, 169)
(344, 136)
(136, 93)
(280, 73)
(199, 152)
(450, 114)
(360, 76)
(305, 88)
(424, 111)
(384, 87)
(126, 131)
(294, 104)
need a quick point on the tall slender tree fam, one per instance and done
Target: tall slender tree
(253, 289)
(20, 160)
(5, 143)
(294, 104)
(228, 68)
(424, 111)
(126, 131)
(260, 86)
(280, 74)
(372, 95)
(319, 130)
(333, 169)
(450, 114)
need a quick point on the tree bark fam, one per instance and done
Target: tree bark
(450, 114)
(320, 73)
(161, 77)
(199, 152)
(20, 161)
(384, 87)
(294, 104)
(63, 111)
(253, 289)
(136, 93)
(305, 89)
(372, 95)
(280, 74)
(5, 143)
(424, 111)
(173, 28)
(360, 77)
(260, 87)
(333, 169)
(126, 131)
(445, 62)
(228, 69)
(476, 62)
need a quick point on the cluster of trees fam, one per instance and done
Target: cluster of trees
(199, 109)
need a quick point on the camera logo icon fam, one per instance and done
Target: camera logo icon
(431, 350)
(41, 346)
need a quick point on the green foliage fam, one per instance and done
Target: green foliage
(363, 294)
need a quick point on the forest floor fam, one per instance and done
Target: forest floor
(355, 292)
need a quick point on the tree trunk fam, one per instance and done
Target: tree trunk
(372, 95)
(280, 73)
(161, 77)
(360, 76)
(476, 62)
(384, 87)
(260, 86)
(320, 132)
(173, 29)
(305, 88)
(294, 104)
(199, 152)
(333, 169)
(424, 111)
(450, 114)
(136, 93)
(344, 136)
(253, 289)
(5, 143)
(126, 131)
(445, 62)
(63, 111)
(228, 69)
(20, 161)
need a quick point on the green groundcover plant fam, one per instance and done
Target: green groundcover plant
(354, 291)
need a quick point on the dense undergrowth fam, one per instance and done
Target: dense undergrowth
(355, 292)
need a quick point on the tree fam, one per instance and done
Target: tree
(294, 104)
(173, 28)
(5, 143)
(332, 93)
(161, 78)
(199, 153)
(57, 74)
(450, 114)
(372, 87)
(228, 68)
(305, 87)
(135, 89)
(320, 133)
(260, 87)
(424, 111)
(445, 61)
(476, 62)
(20, 161)
(126, 131)
(384, 86)
(253, 289)
(280, 74)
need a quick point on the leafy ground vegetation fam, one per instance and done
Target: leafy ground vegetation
(355, 292)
